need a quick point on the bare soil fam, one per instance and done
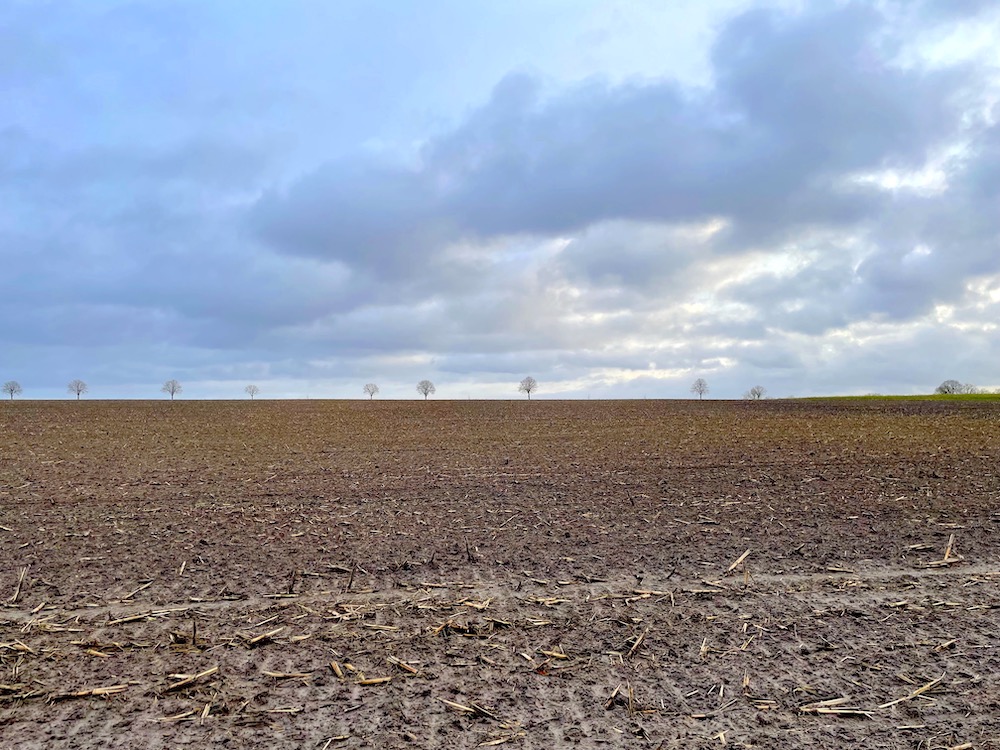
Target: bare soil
(537, 574)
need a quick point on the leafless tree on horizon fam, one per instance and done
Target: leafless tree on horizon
(252, 390)
(172, 387)
(756, 393)
(954, 388)
(371, 389)
(12, 388)
(700, 386)
(77, 387)
(528, 385)
(425, 388)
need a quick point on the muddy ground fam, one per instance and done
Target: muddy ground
(519, 574)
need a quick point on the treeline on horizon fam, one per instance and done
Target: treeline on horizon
(528, 385)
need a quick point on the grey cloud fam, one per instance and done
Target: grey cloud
(378, 218)
(799, 101)
(638, 258)
(923, 250)
(983, 172)
(823, 96)
(811, 300)
(770, 356)
(897, 284)
(927, 248)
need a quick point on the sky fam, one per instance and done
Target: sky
(615, 197)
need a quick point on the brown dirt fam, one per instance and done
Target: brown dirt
(557, 571)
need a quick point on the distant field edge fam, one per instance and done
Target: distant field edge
(924, 397)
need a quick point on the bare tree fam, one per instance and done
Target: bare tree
(756, 393)
(172, 387)
(949, 387)
(700, 386)
(251, 390)
(77, 387)
(528, 385)
(371, 389)
(425, 388)
(953, 387)
(12, 388)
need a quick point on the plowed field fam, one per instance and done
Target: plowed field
(517, 574)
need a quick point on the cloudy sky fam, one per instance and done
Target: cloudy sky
(614, 196)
